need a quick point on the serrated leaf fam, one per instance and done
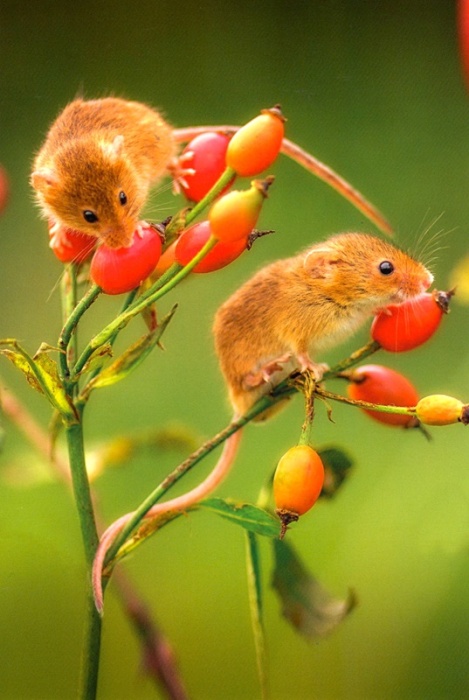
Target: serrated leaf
(337, 465)
(246, 515)
(253, 568)
(306, 604)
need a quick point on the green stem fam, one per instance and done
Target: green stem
(76, 312)
(89, 533)
(161, 288)
(381, 408)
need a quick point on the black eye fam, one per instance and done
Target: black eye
(122, 198)
(90, 216)
(386, 267)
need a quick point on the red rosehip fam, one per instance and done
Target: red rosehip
(119, 270)
(410, 324)
(205, 154)
(463, 31)
(233, 216)
(193, 240)
(71, 246)
(4, 188)
(381, 385)
(257, 144)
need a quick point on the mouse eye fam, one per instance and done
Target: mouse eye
(90, 216)
(122, 198)
(386, 267)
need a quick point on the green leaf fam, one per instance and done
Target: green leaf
(337, 466)
(253, 567)
(306, 604)
(247, 516)
(42, 374)
(97, 358)
(129, 360)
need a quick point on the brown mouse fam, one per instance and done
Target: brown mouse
(99, 159)
(294, 309)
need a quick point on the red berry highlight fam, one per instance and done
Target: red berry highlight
(119, 270)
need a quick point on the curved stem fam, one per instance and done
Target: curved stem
(70, 325)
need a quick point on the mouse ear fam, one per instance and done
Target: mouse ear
(43, 178)
(321, 263)
(114, 149)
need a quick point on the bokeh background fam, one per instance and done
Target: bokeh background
(374, 90)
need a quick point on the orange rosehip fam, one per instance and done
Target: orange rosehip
(405, 326)
(381, 385)
(439, 409)
(298, 482)
(257, 144)
(233, 216)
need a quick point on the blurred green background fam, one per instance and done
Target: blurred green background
(373, 89)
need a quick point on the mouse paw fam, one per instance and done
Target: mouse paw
(178, 170)
(317, 369)
(264, 374)
(57, 235)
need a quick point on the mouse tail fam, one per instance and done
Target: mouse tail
(180, 503)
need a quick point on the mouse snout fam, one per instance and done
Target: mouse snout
(119, 236)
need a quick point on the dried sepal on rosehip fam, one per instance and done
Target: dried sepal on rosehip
(119, 270)
(298, 481)
(233, 216)
(203, 163)
(382, 385)
(257, 144)
(439, 409)
(405, 326)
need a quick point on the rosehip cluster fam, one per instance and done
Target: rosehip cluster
(231, 218)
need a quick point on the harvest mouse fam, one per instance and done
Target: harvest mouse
(279, 320)
(293, 309)
(96, 166)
